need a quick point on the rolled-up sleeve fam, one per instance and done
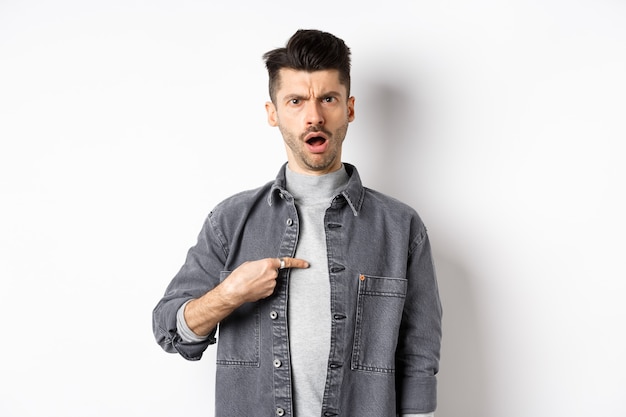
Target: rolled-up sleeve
(199, 274)
(420, 334)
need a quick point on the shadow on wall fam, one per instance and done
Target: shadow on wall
(392, 132)
(380, 135)
(463, 386)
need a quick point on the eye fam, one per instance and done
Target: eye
(294, 101)
(328, 99)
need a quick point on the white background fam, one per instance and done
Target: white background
(122, 123)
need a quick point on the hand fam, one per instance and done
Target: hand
(251, 281)
(254, 280)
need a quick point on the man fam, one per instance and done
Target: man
(323, 291)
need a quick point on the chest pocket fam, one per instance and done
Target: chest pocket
(379, 312)
(239, 336)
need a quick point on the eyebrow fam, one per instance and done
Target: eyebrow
(301, 97)
(332, 93)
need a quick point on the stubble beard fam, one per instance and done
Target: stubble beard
(315, 162)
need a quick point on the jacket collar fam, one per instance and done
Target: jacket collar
(352, 194)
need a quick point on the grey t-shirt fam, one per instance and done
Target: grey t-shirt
(309, 290)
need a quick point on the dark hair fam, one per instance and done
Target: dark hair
(309, 50)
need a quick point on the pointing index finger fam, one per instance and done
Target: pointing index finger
(294, 263)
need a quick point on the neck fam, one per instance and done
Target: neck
(308, 188)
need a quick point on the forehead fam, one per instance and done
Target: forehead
(299, 82)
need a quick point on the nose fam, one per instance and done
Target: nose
(314, 114)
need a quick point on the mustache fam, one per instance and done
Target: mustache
(315, 129)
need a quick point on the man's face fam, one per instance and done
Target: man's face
(312, 111)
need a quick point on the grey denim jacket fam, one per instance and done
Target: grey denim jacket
(386, 312)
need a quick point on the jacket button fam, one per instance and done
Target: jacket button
(273, 315)
(280, 412)
(277, 363)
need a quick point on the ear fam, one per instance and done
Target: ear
(272, 117)
(350, 109)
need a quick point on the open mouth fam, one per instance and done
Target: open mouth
(316, 141)
(317, 144)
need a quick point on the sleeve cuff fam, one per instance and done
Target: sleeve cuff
(418, 415)
(185, 333)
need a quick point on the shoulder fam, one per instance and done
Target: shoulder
(245, 196)
(380, 205)
(242, 201)
(379, 201)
